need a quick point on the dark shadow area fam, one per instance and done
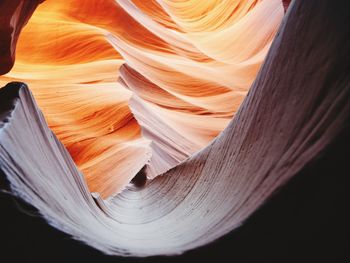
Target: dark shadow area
(140, 178)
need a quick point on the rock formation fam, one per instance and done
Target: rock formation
(13, 17)
(295, 110)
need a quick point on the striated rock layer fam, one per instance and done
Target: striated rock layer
(124, 84)
(296, 108)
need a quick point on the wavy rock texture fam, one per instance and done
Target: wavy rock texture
(177, 89)
(13, 17)
(296, 108)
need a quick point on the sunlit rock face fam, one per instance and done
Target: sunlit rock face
(13, 17)
(127, 84)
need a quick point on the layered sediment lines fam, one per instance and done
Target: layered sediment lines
(294, 111)
(127, 84)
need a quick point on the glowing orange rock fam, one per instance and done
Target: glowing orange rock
(13, 17)
(187, 67)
